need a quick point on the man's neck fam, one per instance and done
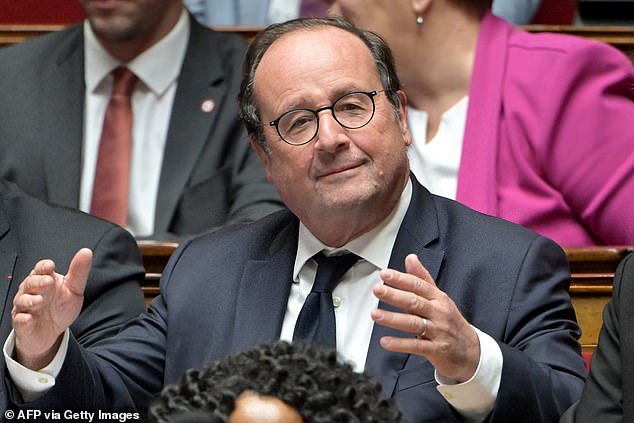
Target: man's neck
(337, 228)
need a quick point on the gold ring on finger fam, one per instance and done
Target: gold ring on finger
(421, 335)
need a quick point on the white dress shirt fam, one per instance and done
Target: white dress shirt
(435, 163)
(353, 300)
(157, 69)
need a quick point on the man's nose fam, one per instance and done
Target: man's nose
(331, 136)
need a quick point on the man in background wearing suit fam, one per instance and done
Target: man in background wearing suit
(608, 395)
(31, 229)
(191, 168)
(459, 316)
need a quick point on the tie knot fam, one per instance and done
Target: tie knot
(124, 80)
(330, 269)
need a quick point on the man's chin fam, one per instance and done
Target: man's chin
(346, 196)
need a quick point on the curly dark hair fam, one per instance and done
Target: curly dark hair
(309, 378)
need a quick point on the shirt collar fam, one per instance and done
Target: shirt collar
(157, 67)
(374, 246)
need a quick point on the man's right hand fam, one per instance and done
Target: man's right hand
(45, 305)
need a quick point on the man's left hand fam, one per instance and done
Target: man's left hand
(444, 336)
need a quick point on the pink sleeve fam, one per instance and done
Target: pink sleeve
(588, 128)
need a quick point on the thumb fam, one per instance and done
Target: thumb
(78, 271)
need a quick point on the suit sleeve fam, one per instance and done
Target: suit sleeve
(587, 125)
(121, 373)
(113, 294)
(602, 397)
(543, 370)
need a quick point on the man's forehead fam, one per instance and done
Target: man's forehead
(318, 40)
(310, 67)
(314, 49)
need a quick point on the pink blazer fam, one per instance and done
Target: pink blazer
(549, 137)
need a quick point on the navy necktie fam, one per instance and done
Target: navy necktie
(316, 321)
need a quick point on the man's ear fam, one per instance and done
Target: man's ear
(403, 117)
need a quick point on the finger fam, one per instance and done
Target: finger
(27, 303)
(407, 282)
(407, 301)
(403, 322)
(417, 346)
(413, 266)
(22, 321)
(43, 267)
(36, 284)
(78, 271)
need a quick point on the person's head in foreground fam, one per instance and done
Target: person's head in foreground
(281, 383)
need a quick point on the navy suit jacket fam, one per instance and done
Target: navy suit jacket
(31, 230)
(224, 292)
(209, 175)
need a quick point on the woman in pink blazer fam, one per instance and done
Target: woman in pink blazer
(548, 138)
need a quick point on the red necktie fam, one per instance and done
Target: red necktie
(112, 174)
(313, 9)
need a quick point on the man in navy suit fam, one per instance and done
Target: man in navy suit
(458, 315)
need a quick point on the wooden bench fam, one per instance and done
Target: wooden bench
(16, 33)
(592, 270)
(621, 37)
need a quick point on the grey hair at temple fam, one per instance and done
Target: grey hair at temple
(378, 48)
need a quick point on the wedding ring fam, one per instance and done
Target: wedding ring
(424, 331)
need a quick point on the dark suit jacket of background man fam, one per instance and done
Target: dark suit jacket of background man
(224, 292)
(608, 395)
(31, 230)
(209, 175)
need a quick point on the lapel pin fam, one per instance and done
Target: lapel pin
(207, 105)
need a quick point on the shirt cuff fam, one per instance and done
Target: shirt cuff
(34, 384)
(475, 398)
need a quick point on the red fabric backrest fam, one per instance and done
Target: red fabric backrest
(40, 12)
(555, 12)
(587, 356)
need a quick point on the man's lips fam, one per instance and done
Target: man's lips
(323, 173)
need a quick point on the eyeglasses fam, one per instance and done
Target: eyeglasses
(352, 111)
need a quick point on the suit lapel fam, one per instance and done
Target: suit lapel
(63, 98)
(477, 175)
(263, 292)
(200, 79)
(418, 230)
